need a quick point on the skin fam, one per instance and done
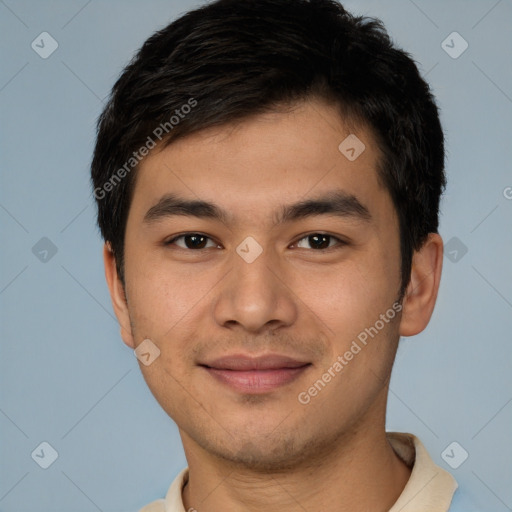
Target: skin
(270, 452)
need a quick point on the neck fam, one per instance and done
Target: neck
(360, 472)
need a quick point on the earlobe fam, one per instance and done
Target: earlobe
(117, 295)
(421, 294)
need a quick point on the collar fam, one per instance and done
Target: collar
(429, 488)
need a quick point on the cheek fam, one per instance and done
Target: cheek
(163, 297)
(349, 297)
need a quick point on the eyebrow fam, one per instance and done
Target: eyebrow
(338, 203)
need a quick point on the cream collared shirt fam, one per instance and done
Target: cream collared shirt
(429, 489)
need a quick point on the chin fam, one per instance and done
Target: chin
(264, 458)
(271, 451)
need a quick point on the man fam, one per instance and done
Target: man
(268, 176)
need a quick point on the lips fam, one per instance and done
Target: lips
(244, 362)
(261, 374)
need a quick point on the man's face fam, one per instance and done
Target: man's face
(325, 274)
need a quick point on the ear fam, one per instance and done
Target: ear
(421, 294)
(117, 295)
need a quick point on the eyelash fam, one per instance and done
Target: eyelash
(340, 242)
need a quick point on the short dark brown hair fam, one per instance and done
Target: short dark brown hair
(234, 58)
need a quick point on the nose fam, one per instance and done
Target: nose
(255, 296)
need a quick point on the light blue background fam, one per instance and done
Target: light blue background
(66, 377)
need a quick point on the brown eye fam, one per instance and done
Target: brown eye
(319, 241)
(191, 241)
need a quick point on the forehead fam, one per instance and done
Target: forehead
(253, 166)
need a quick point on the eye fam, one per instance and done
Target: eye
(192, 241)
(198, 241)
(320, 241)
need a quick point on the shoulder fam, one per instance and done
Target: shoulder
(154, 506)
(172, 501)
